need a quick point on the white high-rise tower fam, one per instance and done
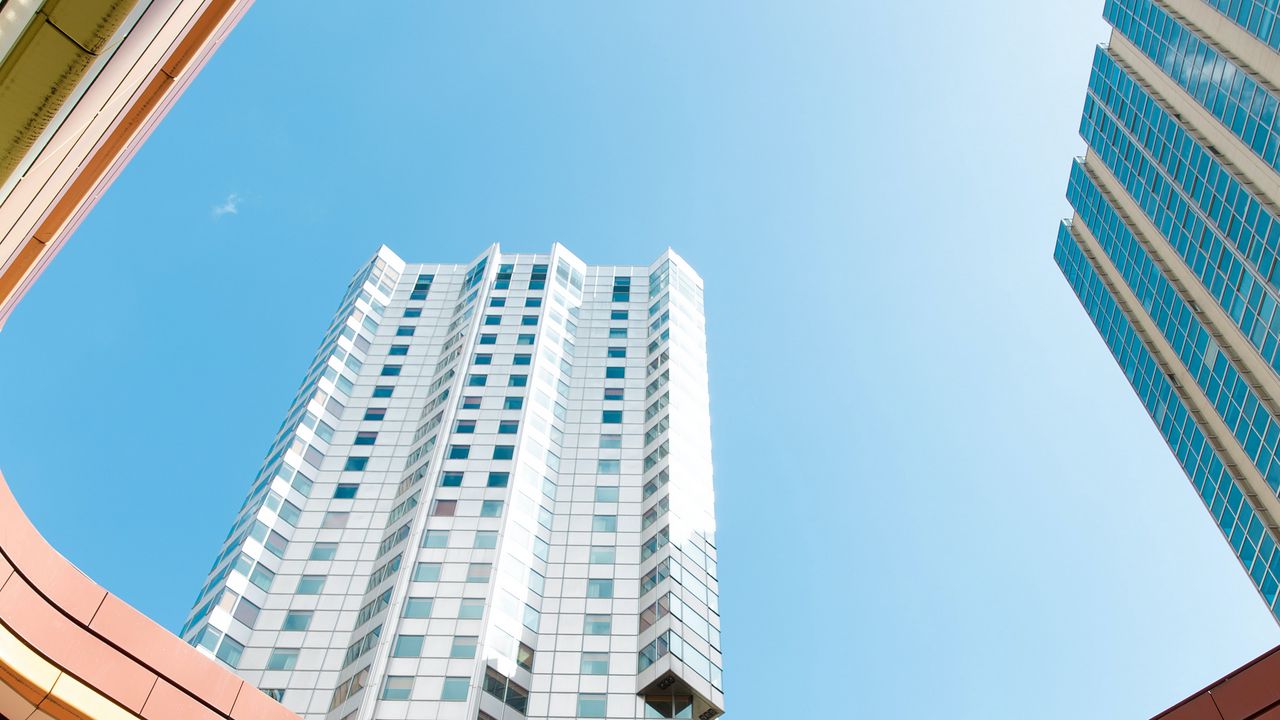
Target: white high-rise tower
(492, 498)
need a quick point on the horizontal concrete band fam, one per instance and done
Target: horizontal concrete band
(69, 649)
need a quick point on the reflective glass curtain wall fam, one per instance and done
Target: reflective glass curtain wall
(1173, 243)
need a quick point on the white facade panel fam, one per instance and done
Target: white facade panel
(491, 498)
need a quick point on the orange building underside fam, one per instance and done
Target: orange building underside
(69, 649)
(1250, 693)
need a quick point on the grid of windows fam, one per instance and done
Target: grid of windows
(1227, 390)
(1224, 234)
(1221, 494)
(503, 457)
(1231, 95)
(1258, 17)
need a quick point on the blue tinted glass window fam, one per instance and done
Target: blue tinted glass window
(297, 621)
(310, 585)
(455, 689)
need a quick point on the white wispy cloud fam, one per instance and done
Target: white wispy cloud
(230, 206)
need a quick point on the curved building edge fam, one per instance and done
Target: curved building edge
(69, 649)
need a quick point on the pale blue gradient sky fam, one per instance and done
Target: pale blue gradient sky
(938, 496)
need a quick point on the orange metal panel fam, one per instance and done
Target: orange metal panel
(56, 579)
(85, 656)
(201, 30)
(167, 702)
(155, 647)
(108, 651)
(1200, 707)
(1249, 690)
(116, 148)
(116, 651)
(97, 166)
(23, 261)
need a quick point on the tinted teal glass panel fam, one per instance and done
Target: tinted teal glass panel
(1227, 391)
(1206, 470)
(1232, 96)
(1224, 234)
(1257, 17)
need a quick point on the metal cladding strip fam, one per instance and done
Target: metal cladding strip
(67, 642)
(30, 683)
(147, 107)
(48, 61)
(1250, 693)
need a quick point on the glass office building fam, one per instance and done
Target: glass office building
(1172, 245)
(492, 498)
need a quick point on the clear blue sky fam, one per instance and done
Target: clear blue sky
(938, 496)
